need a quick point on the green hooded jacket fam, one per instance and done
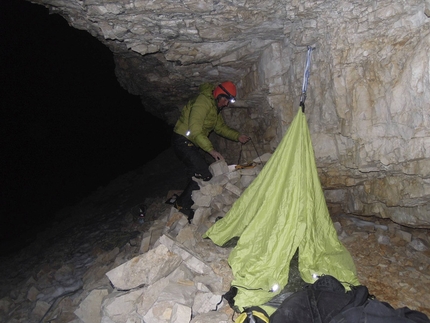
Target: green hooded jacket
(200, 116)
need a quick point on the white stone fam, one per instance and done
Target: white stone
(190, 260)
(404, 235)
(186, 235)
(226, 198)
(233, 189)
(180, 314)
(32, 294)
(144, 269)
(216, 204)
(206, 302)
(231, 168)
(40, 309)
(217, 317)
(200, 199)
(159, 313)
(419, 244)
(245, 180)
(150, 295)
(156, 234)
(197, 265)
(226, 208)
(217, 180)
(202, 287)
(182, 293)
(218, 168)
(233, 177)
(214, 282)
(118, 307)
(263, 158)
(89, 309)
(213, 218)
(172, 294)
(167, 241)
(144, 244)
(201, 214)
(211, 190)
(338, 227)
(384, 240)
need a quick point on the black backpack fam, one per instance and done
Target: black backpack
(375, 311)
(319, 302)
(326, 301)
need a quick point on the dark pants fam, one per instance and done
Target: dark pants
(195, 165)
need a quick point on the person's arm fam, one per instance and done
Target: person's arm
(216, 155)
(223, 130)
(243, 139)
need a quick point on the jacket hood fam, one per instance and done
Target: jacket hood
(207, 89)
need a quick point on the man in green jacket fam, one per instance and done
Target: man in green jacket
(198, 119)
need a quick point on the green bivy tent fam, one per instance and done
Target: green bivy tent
(282, 211)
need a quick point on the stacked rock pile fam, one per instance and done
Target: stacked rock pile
(179, 277)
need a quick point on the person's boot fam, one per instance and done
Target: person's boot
(190, 215)
(186, 211)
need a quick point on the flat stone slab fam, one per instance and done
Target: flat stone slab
(144, 269)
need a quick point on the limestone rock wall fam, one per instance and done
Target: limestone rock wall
(367, 103)
(367, 107)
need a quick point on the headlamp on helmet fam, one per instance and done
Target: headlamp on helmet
(227, 90)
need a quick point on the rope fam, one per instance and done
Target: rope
(306, 78)
(259, 157)
(240, 153)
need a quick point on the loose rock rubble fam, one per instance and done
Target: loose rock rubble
(119, 269)
(391, 260)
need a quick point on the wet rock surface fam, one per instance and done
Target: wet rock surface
(66, 273)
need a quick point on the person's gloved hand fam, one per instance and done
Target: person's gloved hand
(216, 155)
(244, 139)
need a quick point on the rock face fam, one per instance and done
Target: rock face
(367, 104)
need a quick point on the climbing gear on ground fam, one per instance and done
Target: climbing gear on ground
(306, 78)
(253, 314)
(245, 166)
(172, 199)
(139, 212)
(200, 176)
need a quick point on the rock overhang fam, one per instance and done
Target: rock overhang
(170, 47)
(369, 110)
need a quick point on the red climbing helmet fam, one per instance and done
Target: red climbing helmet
(226, 89)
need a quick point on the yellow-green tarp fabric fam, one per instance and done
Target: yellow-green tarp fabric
(283, 209)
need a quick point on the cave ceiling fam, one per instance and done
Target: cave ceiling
(164, 49)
